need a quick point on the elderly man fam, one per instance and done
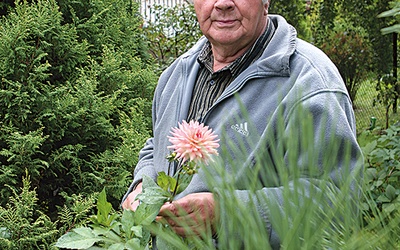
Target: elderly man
(247, 60)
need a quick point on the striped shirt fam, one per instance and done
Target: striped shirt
(210, 85)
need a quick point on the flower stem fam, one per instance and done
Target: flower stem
(177, 178)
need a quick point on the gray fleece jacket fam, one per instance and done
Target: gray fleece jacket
(260, 110)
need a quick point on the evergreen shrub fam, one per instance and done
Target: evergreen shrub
(22, 224)
(75, 98)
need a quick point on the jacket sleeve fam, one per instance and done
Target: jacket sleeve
(144, 166)
(306, 164)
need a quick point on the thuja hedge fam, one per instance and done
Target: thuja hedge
(75, 98)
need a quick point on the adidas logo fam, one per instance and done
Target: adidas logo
(241, 128)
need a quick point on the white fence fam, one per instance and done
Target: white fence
(145, 5)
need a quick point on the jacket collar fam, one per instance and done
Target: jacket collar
(276, 57)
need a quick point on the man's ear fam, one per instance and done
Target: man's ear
(266, 7)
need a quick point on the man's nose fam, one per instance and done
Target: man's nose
(224, 4)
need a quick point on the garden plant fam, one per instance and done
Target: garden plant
(76, 85)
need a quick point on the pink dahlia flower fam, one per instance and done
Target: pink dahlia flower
(193, 141)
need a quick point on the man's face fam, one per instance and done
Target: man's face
(231, 22)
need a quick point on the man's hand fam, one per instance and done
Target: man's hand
(194, 214)
(130, 202)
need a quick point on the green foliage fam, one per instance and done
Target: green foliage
(22, 224)
(383, 170)
(387, 94)
(294, 11)
(394, 12)
(350, 51)
(365, 14)
(361, 15)
(307, 217)
(75, 211)
(75, 97)
(107, 23)
(110, 229)
(381, 205)
(170, 38)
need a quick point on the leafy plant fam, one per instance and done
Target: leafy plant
(350, 51)
(108, 230)
(75, 97)
(381, 204)
(387, 94)
(175, 34)
(393, 12)
(111, 229)
(22, 224)
(382, 174)
(193, 143)
(294, 11)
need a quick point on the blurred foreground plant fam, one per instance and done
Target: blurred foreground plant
(307, 217)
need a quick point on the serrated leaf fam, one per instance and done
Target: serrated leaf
(153, 196)
(148, 182)
(145, 214)
(128, 221)
(79, 238)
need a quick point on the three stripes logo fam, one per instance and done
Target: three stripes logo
(241, 128)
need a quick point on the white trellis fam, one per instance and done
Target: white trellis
(145, 5)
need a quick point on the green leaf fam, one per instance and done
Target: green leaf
(133, 244)
(5, 233)
(166, 182)
(378, 183)
(184, 182)
(79, 238)
(145, 214)
(390, 207)
(116, 246)
(390, 192)
(154, 196)
(364, 206)
(383, 198)
(103, 209)
(127, 222)
(106, 232)
(367, 149)
(148, 182)
(137, 230)
(370, 174)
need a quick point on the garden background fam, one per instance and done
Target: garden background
(77, 79)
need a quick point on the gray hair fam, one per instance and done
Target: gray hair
(263, 1)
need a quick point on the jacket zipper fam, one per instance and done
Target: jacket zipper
(225, 95)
